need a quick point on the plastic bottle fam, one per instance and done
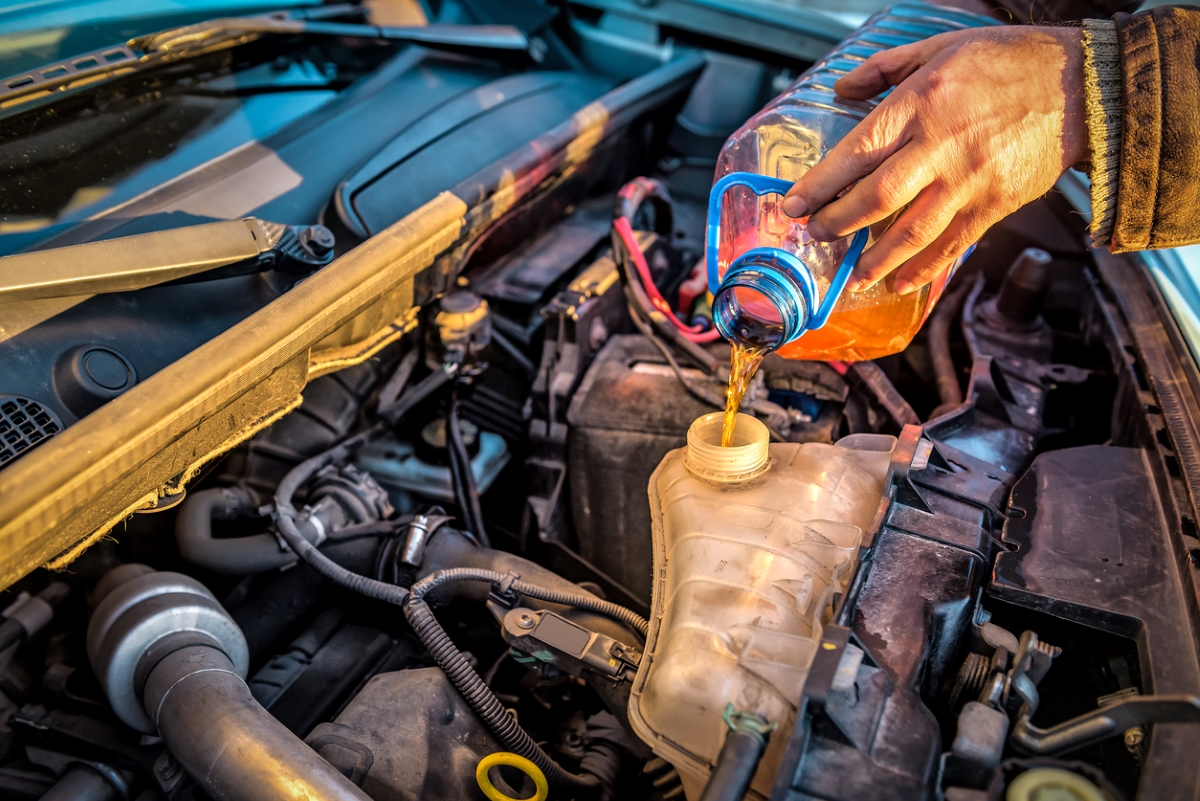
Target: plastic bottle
(773, 285)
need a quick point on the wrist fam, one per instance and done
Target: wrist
(1075, 142)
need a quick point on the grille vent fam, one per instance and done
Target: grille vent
(23, 423)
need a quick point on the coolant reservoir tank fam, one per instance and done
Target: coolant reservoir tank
(750, 544)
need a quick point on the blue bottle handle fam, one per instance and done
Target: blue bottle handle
(766, 185)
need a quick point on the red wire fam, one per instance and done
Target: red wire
(693, 333)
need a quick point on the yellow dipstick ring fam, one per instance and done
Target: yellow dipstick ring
(516, 761)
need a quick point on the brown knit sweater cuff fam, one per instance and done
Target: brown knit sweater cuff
(1102, 96)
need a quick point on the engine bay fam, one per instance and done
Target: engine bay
(453, 559)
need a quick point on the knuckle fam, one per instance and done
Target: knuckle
(935, 82)
(919, 232)
(892, 190)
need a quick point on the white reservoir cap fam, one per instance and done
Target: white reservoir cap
(748, 456)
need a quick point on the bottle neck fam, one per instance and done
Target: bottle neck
(762, 301)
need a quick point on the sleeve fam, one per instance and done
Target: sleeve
(1047, 12)
(1102, 100)
(1143, 110)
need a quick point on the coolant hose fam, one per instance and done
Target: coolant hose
(950, 394)
(235, 556)
(735, 767)
(287, 526)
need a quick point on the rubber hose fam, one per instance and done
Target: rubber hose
(460, 462)
(82, 783)
(950, 393)
(735, 767)
(422, 390)
(235, 556)
(286, 525)
(578, 600)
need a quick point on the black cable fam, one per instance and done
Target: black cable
(464, 479)
(469, 683)
(414, 395)
(286, 515)
(631, 198)
(514, 353)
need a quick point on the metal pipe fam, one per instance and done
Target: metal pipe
(227, 742)
(172, 661)
(1105, 722)
(82, 783)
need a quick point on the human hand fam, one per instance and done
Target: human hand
(981, 122)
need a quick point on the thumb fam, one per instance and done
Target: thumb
(886, 69)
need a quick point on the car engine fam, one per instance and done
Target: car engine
(474, 561)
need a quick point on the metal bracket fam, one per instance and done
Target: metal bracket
(552, 639)
(1105, 722)
(1029, 666)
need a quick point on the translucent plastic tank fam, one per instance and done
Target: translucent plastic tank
(783, 141)
(750, 544)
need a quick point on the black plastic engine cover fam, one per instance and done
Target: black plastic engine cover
(408, 735)
(1091, 544)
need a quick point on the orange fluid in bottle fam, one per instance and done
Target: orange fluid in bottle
(863, 325)
(860, 328)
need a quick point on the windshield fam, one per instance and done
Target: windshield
(37, 33)
(67, 159)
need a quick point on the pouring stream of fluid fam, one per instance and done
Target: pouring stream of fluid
(743, 363)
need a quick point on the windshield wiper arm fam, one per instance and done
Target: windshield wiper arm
(189, 41)
(191, 253)
(216, 34)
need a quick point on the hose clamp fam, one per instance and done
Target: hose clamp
(748, 722)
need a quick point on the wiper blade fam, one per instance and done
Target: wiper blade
(216, 34)
(191, 253)
(189, 41)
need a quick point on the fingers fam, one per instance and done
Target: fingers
(927, 265)
(920, 226)
(862, 150)
(884, 70)
(891, 187)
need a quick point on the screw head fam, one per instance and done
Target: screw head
(318, 240)
(525, 621)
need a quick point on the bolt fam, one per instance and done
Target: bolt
(318, 240)
(525, 621)
(1134, 737)
(168, 768)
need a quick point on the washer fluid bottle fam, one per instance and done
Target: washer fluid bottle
(750, 544)
(773, 286)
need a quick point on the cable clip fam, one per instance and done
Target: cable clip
(502, 592)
